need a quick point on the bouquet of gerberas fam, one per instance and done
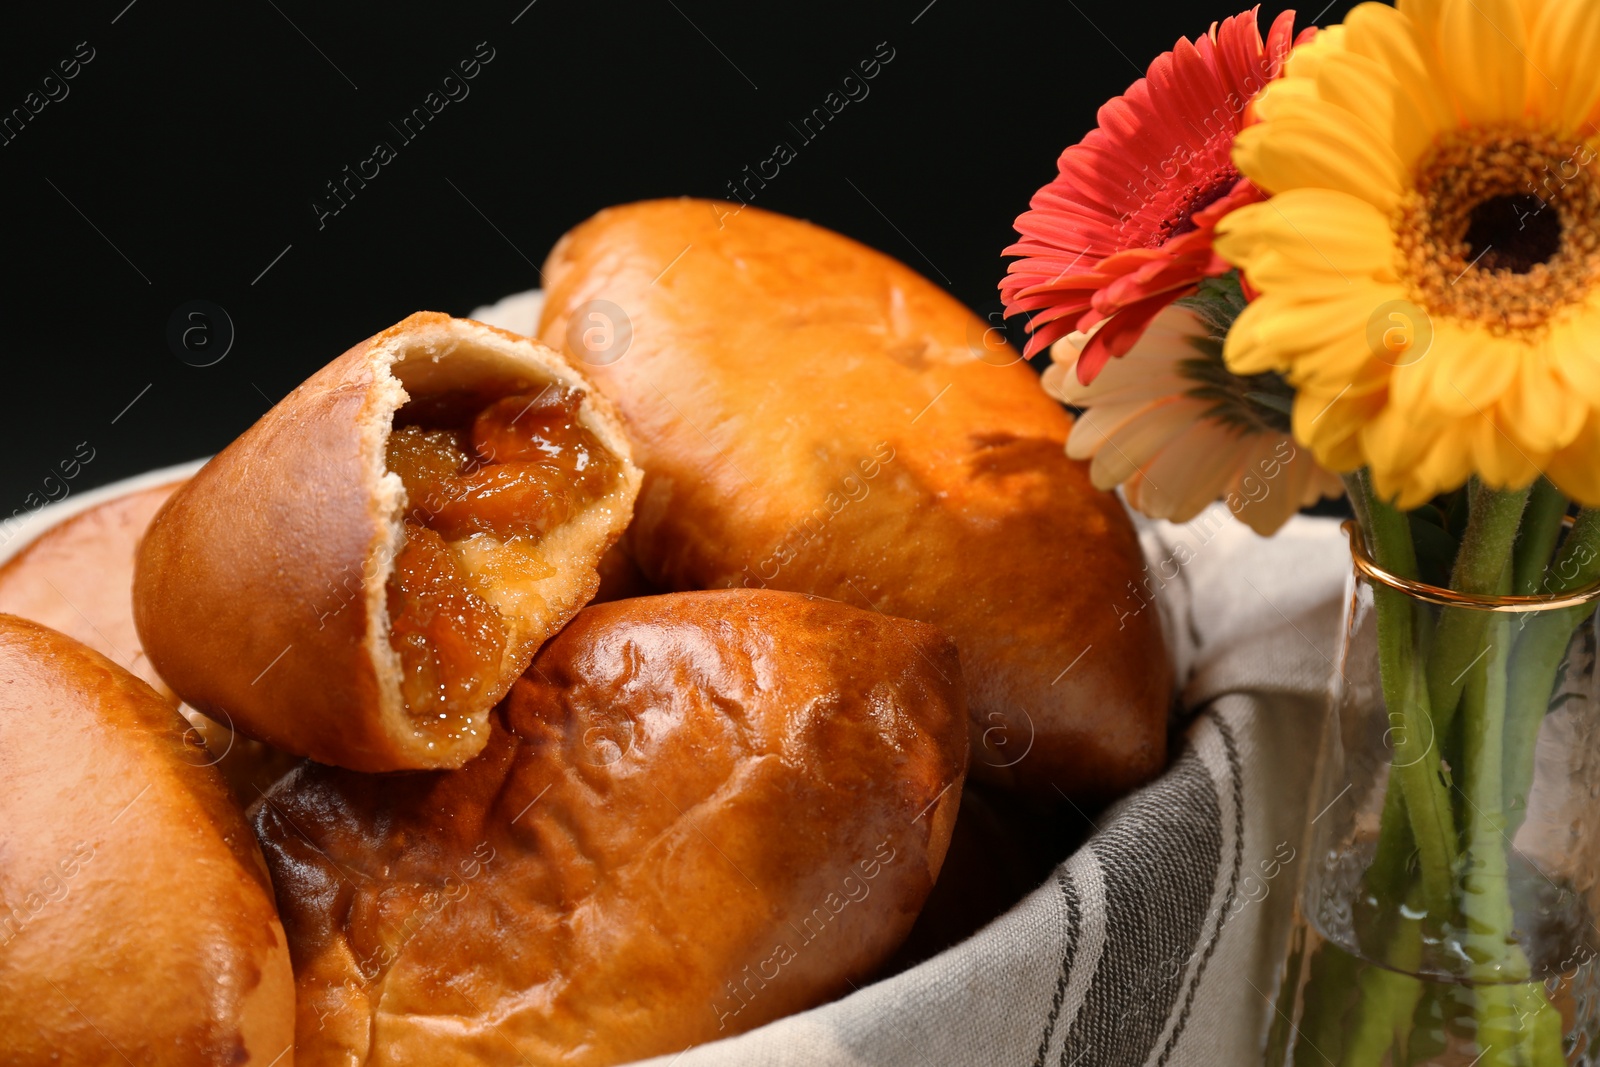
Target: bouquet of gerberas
(1371, 254)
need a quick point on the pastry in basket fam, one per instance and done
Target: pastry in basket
(362, 575)
(77, 577)
(136, 919)
(812, 415)
(696, 813)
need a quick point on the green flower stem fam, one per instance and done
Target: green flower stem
(1387, 996)
(1541, 529)
(1416, 756)
(1480, 568)
(1386, 875)
(1470, 666)
(1497, 961)
(1533, 679)
(1540, 650)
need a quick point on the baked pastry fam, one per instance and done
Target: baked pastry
(812, 415)
(136, 919)
(696, 813)
(620, 577)
(77, 577)
(362, 575)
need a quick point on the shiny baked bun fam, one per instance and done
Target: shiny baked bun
(362, 575)
(77, 577)
(696, 813)
(813, 415)
(136, 919)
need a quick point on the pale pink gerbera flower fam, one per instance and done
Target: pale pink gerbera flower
(1172, 426)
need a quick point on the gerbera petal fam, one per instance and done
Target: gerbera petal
(1499, 460)
(1314, 229)
(1565, 55)
(1425, 15)
(1308, 58)
(1133, 187)
(1331, 425)
(1386, 36)
(1192, 473)
(1137, 441)
(1140, 377)
(1393, 437)
(1576, 356)
(1265, 106)
(1487, 45)
(1531, 10)
(1261, 503)
(1368, 93)
(1301, 154)
(1128, 324)
(1097, 424)
(1467, 370)
(1447, 465)
(1323, 346)
(1538, 411)
(1574, 470)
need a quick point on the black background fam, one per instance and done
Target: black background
(189, 151)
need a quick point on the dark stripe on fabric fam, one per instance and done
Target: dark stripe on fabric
(1236, 783)
(1160, 860)
(1074, 923)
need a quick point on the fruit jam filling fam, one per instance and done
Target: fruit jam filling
(509, 468)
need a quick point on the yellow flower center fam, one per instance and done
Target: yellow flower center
(1502, 228)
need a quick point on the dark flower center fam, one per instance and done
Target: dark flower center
(1199, 196)
(1501, 229)
(1513, 232)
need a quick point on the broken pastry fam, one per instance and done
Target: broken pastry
(696, 813)
(136, 919)
(815, 416)
(362, 575)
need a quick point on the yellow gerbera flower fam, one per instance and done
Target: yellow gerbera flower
(1429, 263)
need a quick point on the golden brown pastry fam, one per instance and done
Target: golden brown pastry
(696, 813)
(362, 574)
(812, 415)
(620, 577)
(77, 577)
(136, 919)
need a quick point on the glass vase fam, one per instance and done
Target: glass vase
(1448, 910)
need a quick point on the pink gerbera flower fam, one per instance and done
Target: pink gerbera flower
(1126, 227)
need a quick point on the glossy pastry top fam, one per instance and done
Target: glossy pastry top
(696, 813)
(812, 415)
(136, 917)
(77, 577)
(312, 584)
